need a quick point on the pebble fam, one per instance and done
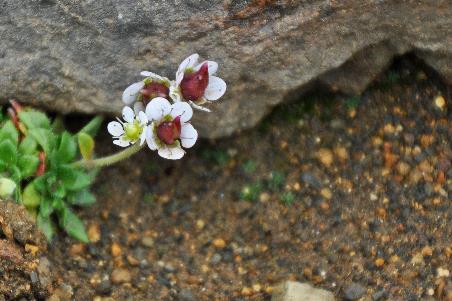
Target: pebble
(440, 102)
(325, 156)
(354, 291)
(104, 287)
(296, 291)
(94, 233)
(326, 193)
(186, 295)
(77, 249)
(119, 276)
(246, 291)
(441, 272)
(379, 262)
(403, 168)
(427, 251)
(216, 258)
(311, 180)
(219, 243)
(32, 249)
(116, 250)
(200, 224)
(147, 242)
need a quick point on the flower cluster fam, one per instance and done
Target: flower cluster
(162, 108)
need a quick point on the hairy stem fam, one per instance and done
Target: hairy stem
(109, 160)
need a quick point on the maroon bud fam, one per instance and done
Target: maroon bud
(193, 85)
(169, 131)
(153, 90)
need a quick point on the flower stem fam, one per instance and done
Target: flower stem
(109, 160)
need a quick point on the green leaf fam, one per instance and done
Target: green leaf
(86, 145)
(40, 184)
(8, 152)
(30, 197)
(73, 225)
(46, 226)
(28, 165)
(44, 137)
(28, 145)
(7, 187)
(15, 173)
(9, 132)
(46, 208)
(92, 127)
(82, 198)
(74, 179)
(67, 149)
(34, 119)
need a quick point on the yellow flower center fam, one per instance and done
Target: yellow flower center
(133, 130)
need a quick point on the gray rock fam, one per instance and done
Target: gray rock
(78, 56)
(296, 291)
(354, 291)
(185, 295)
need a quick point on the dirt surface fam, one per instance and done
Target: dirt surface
(23, 272)
(352, 195)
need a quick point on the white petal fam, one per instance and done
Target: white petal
(171, 153)
(188, 135)
(130, 94)
(152, 75)
(174, 93)
(143, 135)
(138, 107)
(128, 114)
(142, 118)
(213, 67)
(183, 110)
(115, 128)
(215, 89)
(189, 62)
(200, 108)
(157, 108)
(121, 142)
(150, 137)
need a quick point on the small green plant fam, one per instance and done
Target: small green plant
(352, 102)
(249, 166)
(251, 192)
(50, 170)
(216, 155)
(276, 181)
(38, 161)
(287, 198)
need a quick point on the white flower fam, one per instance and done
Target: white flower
(140, 93)
(196, 83)
(170, 129)
(130, 131)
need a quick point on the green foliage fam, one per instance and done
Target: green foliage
(39, 160)
(251, 192)
(276, 180)
(288, 198)
(249, 166)
(218, 156)
(352, 102)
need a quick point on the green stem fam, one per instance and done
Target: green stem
(109, 160)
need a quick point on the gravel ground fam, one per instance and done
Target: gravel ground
(352, 195)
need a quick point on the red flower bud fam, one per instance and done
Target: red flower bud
(193, 85)
(169, 131)
(153, 90)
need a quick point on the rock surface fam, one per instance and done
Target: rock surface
(296, 291)
(79, 56)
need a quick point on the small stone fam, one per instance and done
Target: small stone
(219, 243)
(147, 242)
(94, 233)
(325, 156)
(186, 295)
(427, 251)
(326, 193)
(77, 249)
(104, 287)
(440, 102)
(403, 168)
(200, 224)
(441, 272)
(32, 249)
(417, 259)
(379, 262)
(264, 197)
(354, 291)
(119, 276)
(257, 287)
(116, 250)
(296, 291)
(342, 153)
(133, 261)
(216, 258)
(246, 291)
